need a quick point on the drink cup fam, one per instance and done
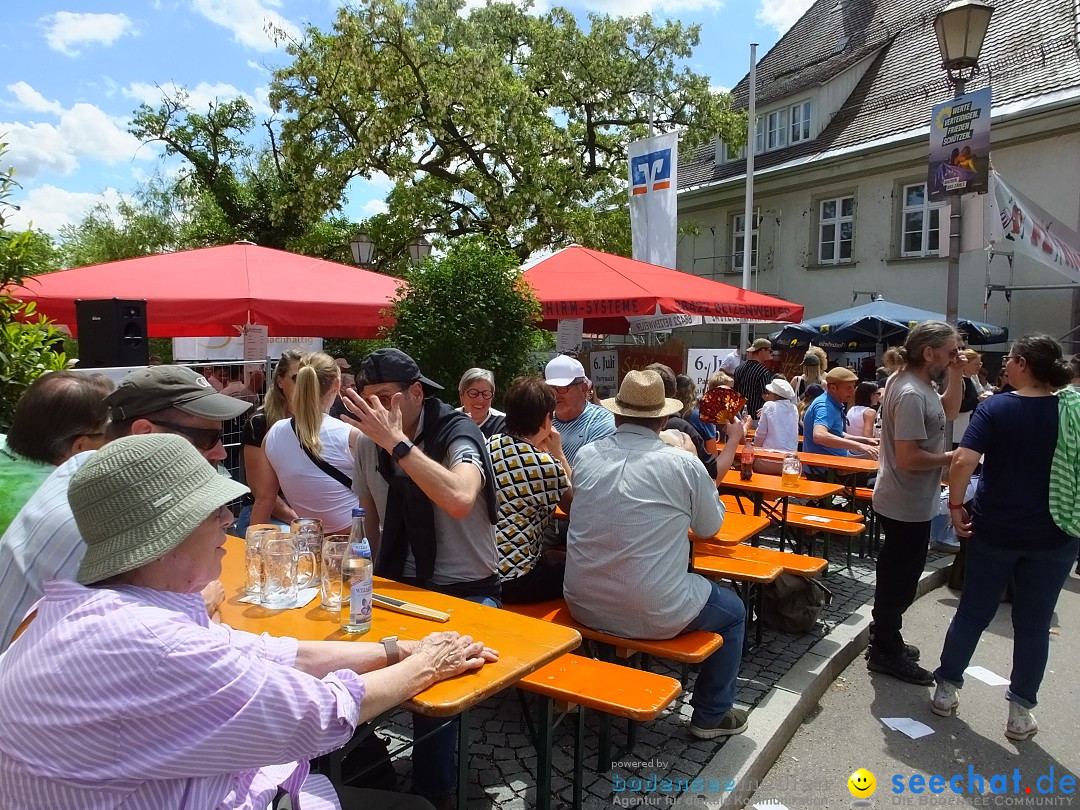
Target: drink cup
(333, 551)
(279, 571)
(308, 533)
(792, 468)
(253, 543)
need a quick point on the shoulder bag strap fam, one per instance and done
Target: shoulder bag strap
(329, 469)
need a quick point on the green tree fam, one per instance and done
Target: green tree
(27, 340)
(469, 308)
(499, 122)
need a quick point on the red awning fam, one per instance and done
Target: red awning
(604, 289)
(211, 291)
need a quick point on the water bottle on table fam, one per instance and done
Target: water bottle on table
(357, 579)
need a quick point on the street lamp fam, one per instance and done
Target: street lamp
(961, 28)
(419, 249)
(362, 249)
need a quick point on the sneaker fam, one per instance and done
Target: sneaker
(945, 699)
(910, 650)
(1021, 725)
(900, 666)
(734, 722)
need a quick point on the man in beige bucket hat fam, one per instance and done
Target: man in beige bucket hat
(635, 499)
(121, 691)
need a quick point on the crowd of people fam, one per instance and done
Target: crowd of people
(112, 543)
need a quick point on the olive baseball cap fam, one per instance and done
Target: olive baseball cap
(148, 390)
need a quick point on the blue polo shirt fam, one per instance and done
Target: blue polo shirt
(828, 412)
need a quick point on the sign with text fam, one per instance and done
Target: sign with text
(1024, 228)
(196, 349)
(703, 363)
(960, 146)
(568, 335)
(604, 372)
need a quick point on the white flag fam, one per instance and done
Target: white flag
(653, 184)
(1027, 230)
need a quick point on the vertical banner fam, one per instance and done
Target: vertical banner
(568, 335)
(603, 371)
(653, 184)
(960, 146)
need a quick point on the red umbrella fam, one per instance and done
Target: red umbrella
(604, 289)
(210, 291)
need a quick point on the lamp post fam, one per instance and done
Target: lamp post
(419, 249)
(961, 28)
(363, 249)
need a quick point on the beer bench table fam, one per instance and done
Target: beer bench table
(759, 485)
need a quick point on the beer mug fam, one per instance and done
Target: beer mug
(280, 579)
(333, 552)
(792, 468)
(308, 533)
(253, 543)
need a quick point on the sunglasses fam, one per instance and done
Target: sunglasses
(204, 439)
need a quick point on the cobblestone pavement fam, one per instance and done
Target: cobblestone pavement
(503, 762)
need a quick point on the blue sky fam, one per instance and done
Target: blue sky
(75, 72)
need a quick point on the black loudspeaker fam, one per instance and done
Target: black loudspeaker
(112, 332)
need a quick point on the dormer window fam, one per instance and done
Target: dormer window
(777, 129)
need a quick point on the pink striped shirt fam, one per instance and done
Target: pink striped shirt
(132, 698)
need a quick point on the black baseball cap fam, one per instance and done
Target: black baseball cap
(392, 365)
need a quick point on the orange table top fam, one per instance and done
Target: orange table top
(773, 485)
(524, 644)
(847, 463)
(737, 528)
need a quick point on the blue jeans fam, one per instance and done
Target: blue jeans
(243, 520)
(714, 691)
(1039, 578)
(434, 767)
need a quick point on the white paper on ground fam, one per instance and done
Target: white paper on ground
(770, 805)
(905, 725)
(303, 598)
(986, 676)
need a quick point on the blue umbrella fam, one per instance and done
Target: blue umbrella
(880, 321)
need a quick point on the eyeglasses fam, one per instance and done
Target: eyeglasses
(474, 393)
(1014, 357)
(204, 439)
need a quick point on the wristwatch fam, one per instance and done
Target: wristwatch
(393, 651)
(402, 449)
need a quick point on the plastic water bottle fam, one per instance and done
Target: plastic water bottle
(356, 576)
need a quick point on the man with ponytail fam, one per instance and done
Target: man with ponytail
(908, 488)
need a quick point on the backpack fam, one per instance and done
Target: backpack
(793, 603)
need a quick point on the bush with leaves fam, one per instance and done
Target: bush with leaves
(469, 308)
(26, 339)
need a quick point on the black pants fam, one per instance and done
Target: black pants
(543, 582)
(899, 566)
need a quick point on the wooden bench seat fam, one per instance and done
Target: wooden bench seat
(799, 564)
(837, 514)
(733, 567)
(691, 647)
(634, 694)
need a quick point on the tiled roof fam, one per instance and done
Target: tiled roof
(1030, 50)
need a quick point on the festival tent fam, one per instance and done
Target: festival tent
(605, 290)
(213, 291)
(879, 322)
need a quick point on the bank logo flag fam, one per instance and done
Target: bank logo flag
(653, 183)
(1025, 229)
(960, 145)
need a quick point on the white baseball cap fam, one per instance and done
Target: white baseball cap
(563, 370)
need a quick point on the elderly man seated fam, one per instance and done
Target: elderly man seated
(635, 499)
(121, 692)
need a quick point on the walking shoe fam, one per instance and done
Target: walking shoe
(945, 699)
(910, 650)
(945, 545)
(734, 722)
(1021, 725)
(900, 666)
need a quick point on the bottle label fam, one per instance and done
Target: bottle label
(360, 589)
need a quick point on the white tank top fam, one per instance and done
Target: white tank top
(310, 491)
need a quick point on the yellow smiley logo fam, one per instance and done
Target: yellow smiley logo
(862, 784)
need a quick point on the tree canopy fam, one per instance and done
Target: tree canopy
(496, 122)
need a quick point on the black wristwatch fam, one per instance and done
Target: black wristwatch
(402, 449)
(393, 651)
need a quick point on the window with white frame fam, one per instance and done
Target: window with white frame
(920, 223)
(776, 129)
(738, 241)
(800, 121)
(836, 229)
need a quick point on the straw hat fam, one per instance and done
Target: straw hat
(642, 395)
(138, 498)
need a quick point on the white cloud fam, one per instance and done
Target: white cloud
(630, 8)
(719, 88)
(782, 14)
(49, 208)
(83, 131)
(373, 207)
(248, 20)
(30, 99)
(200, 96)
(65, 30)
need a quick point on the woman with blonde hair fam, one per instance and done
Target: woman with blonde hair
(276, 406)
(813, 370)
(311, 454)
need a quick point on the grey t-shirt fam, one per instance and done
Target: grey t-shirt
(911, 410)
(466, 547)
